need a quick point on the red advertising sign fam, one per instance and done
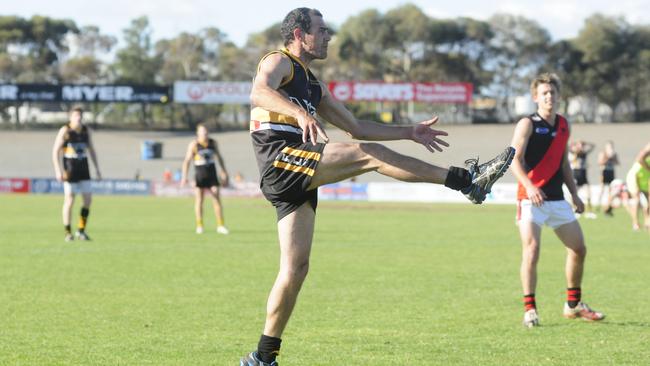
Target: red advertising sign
(378, 91)
(14, 185)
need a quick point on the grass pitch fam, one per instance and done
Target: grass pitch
(389, 284)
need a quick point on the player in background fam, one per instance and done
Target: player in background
(638, 184)
(203, 151)
(608, 160)
(578, 151)
(541, 166)
(72, 146)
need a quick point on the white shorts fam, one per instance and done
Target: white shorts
(77, 187)
(551, 213)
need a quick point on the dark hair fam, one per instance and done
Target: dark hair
(77, 108)
(297, 18)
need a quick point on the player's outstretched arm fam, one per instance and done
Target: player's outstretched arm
(335, 112)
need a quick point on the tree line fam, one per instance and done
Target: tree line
(608, 62)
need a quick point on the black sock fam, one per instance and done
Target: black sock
(268, 348)
(458, 178)
(67, 229)
(83, 219)
(573, 296)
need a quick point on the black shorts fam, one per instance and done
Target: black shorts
(206, 176)
(76, 170)
(286, 167)
(608, 176)
(580, 176)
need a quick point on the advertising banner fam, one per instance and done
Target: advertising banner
(212, 92)
(371, 91)
(14, 185)
(84, 93)
(104, 187)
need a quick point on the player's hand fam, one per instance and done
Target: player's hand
(98, 175)
(311, 128)
(59, 177)
(183, 182)
(422, 133)
(535, 195)
(577, 202)
(224, 180)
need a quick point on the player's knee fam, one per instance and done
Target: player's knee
(531, 252)
(580, 250)
(297, 272)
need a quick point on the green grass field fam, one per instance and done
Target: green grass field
(389, 284)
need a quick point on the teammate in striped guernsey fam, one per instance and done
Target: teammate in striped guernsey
(286, 97)
(72, 146)
(541, 166)
(203, 151)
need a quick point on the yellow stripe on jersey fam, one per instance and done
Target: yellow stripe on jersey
(69, 151)
(262, 115)
(302, 153)
(294, 168)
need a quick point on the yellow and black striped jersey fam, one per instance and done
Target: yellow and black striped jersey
(301, 87)
(75, 143)
(204, 154)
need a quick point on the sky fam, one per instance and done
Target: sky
(238, 18)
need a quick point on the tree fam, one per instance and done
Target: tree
(135, 62)
(519, 49)
(86, 48)
(566, 60)
(36, 44)
(608, 47)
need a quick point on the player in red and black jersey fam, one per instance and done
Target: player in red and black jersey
(72, 146)
(541, 166)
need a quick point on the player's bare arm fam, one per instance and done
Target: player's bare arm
(643, 154)
(569, 181)
(186, 162)
(523, 130)
(334, 112)
(602, 158)
(93, 154)
(272, 71)
(223, 172)
(57, 150)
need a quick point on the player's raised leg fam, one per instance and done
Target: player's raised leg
(344, 160)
